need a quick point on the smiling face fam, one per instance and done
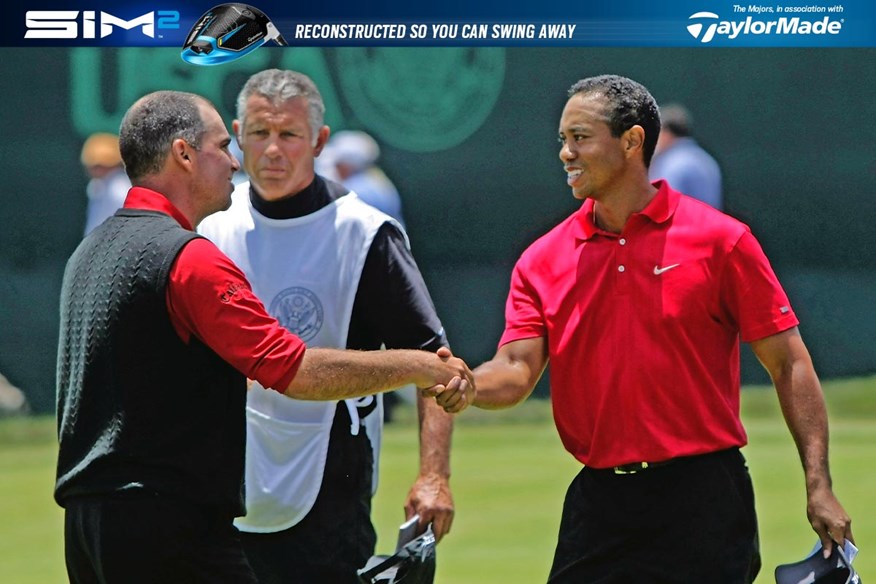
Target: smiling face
(278, 146)
(595, 161)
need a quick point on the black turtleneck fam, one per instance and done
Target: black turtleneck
(392, 305)
(314, 197)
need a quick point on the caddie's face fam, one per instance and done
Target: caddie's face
(278, 146)
(593, 159)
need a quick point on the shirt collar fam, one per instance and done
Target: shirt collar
(308, 200)
(659, 210)
(583, 225)
(149, 200)
(663, 205)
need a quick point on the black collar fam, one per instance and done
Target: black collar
(314, 197)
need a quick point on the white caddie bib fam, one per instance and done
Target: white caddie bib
(306, 270)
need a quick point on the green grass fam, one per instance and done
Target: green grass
(31, 525)
(510, 474)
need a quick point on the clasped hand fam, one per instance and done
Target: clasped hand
(458, 391)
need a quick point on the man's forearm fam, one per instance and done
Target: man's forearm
(790, 367)
(510, 376)
(334, 374)
(802, 402)
(500, 385)
(430, 495)
(436, 430)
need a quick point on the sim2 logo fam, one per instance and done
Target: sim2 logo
(73, 24)
(705, 25)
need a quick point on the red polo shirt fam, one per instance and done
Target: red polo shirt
(643, 327)
(209, 297)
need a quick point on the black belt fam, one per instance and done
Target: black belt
(637, 467)
(634, 467)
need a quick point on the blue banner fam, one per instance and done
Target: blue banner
(635, 23)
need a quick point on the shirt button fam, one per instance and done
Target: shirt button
(622, 241)
(620, 268)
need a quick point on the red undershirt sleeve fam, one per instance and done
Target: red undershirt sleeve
(209, 297)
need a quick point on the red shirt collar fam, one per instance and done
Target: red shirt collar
(149, 200)
(659, 210)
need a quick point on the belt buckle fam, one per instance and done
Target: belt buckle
(631, 468)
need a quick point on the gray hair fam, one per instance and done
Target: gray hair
(152, 124)
(280, 86)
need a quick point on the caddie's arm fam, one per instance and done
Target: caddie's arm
(789, 365)
(430, 496)
(394, 305)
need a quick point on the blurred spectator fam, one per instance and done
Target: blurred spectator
(682, 162)
(324, 164)
(108, 185)
(12, 400)
(352, 156)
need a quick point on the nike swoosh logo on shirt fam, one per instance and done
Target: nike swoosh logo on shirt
(659, 270)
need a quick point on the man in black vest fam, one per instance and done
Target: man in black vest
(159, 332)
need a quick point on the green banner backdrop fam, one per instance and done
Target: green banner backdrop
(469, 137)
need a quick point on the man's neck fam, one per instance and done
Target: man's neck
(176, 191)
(611, 212)
(293, 205)
(312, 198)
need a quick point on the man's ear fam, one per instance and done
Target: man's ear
(237, 130)
(321, 140)
(180, 151)
(633, 140)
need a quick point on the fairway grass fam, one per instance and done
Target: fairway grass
(510, 474)
(31, 525)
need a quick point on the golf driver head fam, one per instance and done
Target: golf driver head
(227, 32)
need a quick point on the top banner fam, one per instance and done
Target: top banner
(210, 34)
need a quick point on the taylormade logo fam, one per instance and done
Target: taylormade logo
(705, 25)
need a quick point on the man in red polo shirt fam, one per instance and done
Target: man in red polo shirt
(639, 300)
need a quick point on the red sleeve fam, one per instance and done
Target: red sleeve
(752, 294)
(209, 297)
(523, 312)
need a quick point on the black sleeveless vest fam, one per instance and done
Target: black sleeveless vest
(139, 411)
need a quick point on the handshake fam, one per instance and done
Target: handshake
(336, 374)
(454, 385)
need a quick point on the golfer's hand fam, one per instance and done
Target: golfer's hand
(453, 397)
(456, 394)
(828, 518)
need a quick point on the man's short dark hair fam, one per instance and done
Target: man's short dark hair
(152, 124)
(628, 104)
